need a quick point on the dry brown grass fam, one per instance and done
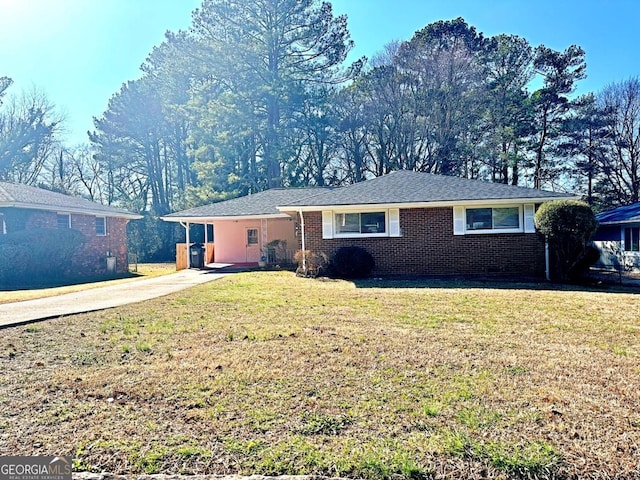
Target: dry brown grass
(144, 270)
(269, 373)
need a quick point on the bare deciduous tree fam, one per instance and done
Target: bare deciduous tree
(29, 127)
(620, 167)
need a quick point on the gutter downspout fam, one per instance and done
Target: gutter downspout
(304, 258)
(186, 227)
(206, 242)
(547, 269)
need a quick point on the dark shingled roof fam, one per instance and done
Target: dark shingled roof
(395, 188)
(627, 213)
(256, 204)
(25, 196)
(417, 187)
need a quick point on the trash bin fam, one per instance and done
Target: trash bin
(196, 252)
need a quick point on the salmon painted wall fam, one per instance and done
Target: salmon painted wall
(230, 238)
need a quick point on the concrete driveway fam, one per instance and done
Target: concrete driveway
(101, 298)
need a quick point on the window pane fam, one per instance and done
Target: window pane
(101, 227)
(63, 221)
(635, 239)
(506, 217)
(347, 222)
(372, 222)
(627, 239)
(478, 218)
(252, 236)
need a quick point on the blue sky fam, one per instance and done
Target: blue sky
(79, 52)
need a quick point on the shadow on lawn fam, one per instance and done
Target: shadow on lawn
(503, 283)
(53, 282)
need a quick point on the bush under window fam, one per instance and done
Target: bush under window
(38, 255)
(352, 262)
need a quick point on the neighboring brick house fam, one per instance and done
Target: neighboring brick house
(24, 207)
(420, 223)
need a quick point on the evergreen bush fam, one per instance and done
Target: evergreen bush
(352, 262)
(568, 226)
(38, 255)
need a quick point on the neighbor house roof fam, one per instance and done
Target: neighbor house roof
(405, 188)
(624, 214)
(25, 196)
(259, 205)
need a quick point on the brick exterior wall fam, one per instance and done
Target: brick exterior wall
(91, 258)
(428, 247)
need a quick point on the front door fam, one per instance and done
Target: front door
(252, 245)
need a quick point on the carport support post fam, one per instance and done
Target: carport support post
(186, 227)
(206, 242)
(304, 258)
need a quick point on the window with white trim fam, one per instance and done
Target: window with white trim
(494, 218)
(632, 239)
(469, 220)
(64, 220)
(252, 236)
(360, 223)
(101, 226)
(354, 224)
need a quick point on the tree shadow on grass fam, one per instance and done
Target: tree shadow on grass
(55, 282)
(502, 283)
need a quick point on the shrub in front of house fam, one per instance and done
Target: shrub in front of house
(568, 226)
(310, 263)
(36, 256)
(352, 262)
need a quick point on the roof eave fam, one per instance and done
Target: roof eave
(436, 204)
(83, 211)
(214, 218)
(619, 222)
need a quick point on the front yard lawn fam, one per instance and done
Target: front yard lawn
(272, 374)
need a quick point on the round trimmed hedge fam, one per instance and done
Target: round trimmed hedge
(352, 262)
(568, 226)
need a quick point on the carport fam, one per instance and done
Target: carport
(245, 230)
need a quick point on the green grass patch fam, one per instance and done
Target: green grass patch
(319, 424)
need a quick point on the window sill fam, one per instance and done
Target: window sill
(494, 231)
(361, 235)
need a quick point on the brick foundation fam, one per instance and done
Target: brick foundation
(428, 247)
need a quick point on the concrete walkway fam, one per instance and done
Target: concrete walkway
(101, 298)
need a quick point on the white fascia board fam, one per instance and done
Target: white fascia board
(620, 222)
(450, 203)
(219, 218)
(62, 209)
